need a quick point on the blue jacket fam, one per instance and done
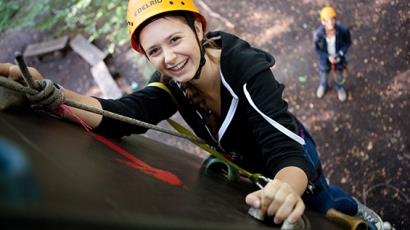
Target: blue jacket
(343, 42)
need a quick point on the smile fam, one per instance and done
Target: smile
(179, 66)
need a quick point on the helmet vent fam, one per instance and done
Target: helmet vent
(172, 3)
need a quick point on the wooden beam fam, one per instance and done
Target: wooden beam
(104, 80)
(45, 47)
(92, 54)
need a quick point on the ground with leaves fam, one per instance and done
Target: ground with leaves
(364, 142)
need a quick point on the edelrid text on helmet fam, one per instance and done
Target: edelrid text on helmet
(140, 11)
(327, 12)
(146, 6)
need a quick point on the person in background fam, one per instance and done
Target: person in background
(225, 91)
(331, 42)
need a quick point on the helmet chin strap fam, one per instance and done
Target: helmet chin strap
(201, 62)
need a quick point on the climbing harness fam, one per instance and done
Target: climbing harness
(256, 178)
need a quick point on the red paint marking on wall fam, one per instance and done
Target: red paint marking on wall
(140, 165)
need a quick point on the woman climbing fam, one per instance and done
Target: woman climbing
(227, 94)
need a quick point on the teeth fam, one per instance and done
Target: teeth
(177, 67)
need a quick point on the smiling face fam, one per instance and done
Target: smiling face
(171, 47)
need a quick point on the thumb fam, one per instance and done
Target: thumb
(254, 199)
(14, 72)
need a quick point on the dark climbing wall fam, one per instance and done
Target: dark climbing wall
(82, 180)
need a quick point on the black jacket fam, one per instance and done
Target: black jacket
(244, 133)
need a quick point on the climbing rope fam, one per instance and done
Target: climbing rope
(55, 97)
(256, 178)
(12, 85)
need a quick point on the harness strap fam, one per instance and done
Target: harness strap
(257, 178)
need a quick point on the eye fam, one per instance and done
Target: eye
(175, 40)
(153, 52)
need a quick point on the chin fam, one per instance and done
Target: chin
(183, 78)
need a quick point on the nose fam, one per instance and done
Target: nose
(169, 56)
(329, 22)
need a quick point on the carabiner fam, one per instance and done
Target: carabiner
(260, 180)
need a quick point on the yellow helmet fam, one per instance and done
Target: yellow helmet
(141, 10)
(327, 12)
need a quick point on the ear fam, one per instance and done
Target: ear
(198, 30)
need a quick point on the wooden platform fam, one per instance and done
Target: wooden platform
(84, 181)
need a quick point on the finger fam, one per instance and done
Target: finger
(14, 73)
(268, 194)
(4, 69)
(254, 199)
(35, 74)
(297, 212)
(277, 202)
(285, 209)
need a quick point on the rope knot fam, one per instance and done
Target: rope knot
(49, 94)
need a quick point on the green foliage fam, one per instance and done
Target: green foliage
(97, 18)
(19, 14)
(7, 10)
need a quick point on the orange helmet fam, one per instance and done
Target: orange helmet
(141, 10)
(327, 12)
